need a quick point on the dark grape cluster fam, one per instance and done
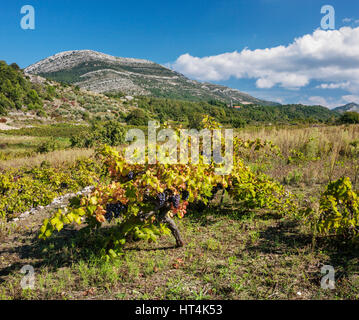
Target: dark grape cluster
(130, 175)
(109, 216)
(113, 210)
(64, 185)
(168, 196)
(185, 195)
(175, 200)
(161, 197)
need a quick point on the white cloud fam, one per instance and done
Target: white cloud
(339, 85)
(328, 56)
(328, 102)
(347, 20)
(318, 101)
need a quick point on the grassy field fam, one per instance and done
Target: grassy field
(228, 254)
(29, 142)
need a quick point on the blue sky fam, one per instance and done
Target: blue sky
(165, 31)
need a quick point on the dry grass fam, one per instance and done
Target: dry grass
(327, 138)
(4, 138)
(55, 158)
(311, 155)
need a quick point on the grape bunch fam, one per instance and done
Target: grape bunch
(168, 196)
(130, 175)
(64, 185)
(175, 200)
(108, 215)
(113, 210)
(161, 197)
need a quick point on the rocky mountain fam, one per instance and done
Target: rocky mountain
(348, 107)
(103, 73)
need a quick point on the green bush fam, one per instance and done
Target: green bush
(17, 91)
(109, 132)
(48, 146)
(338, 212)
(137, 117)
(195, 121)
(349, 117)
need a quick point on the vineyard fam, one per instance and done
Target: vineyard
(182, 231)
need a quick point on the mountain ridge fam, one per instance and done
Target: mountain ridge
(347, 108)
(100, 72)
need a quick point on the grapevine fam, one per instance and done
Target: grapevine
(338, 211)
(143, 200)
(23, 189)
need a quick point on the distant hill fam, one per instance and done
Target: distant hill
(102, 73)
(348, 108)
(166, 109)
(283, 114)
(31, 99)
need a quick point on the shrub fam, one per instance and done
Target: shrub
(15, 66)
(338, 212)
(349, 117)
(137, 117)
(48, 146)
(109, 132)
(195, 121)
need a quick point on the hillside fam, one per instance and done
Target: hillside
(101, 73)
(288, 113)
(166, 109)
(350, 107)
(28, 100)
(32, 100)
(16, 91)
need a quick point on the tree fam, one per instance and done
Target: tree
(195, 121)
(109, 132)
(349, 117)
(137, 117)
(15, 66)
(5, 104)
